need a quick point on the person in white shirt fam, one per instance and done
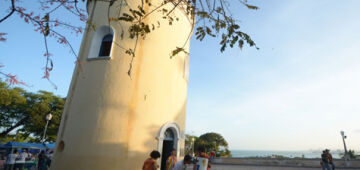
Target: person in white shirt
(20, 160)
(182, 165)
(10, 160)
(30, 161)
(49, 156)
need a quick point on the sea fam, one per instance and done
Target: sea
(290, 154)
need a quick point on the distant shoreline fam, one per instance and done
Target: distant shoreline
(281, 154)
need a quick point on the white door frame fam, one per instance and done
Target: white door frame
(174, 127)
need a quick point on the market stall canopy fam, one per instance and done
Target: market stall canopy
(28, 145)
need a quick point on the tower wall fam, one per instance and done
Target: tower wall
(112, 120)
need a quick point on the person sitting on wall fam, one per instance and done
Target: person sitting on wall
(150, 163)
(202, 160)
(171, 161)
(182, 165)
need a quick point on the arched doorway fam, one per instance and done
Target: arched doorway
(167, 147)
(168, 138)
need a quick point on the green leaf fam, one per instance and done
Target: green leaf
(141, 10)
(251, 7)
(177, 51)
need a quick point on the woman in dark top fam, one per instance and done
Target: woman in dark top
(42, 160)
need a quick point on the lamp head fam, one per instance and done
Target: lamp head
(48, 116)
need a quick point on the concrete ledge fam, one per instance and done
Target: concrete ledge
(98, 58)
(273, 162)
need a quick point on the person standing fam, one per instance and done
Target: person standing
(330, 159)
(212, 156)
(171, 161)
(150, 163)
(325, 161)
(202, 161)
(10, 160)
(20, 160)
(49, 156)
(182, 165)
(29, 161)
(42, 159)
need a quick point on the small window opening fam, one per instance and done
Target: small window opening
(169, 135)
(105, 47)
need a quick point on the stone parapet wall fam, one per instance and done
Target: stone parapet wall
(313, 163)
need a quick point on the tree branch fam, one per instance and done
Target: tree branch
(11, 12)
(19, 123)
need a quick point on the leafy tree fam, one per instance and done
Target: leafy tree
(12, 102)
(25, 112)
(42, 104)
(214, 142)
(189, 145)
(18, 137)
(351, 154)
(211, 141)
(209, 18)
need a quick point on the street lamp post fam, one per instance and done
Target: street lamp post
(193, 139)
(48, 118)
(346, 155)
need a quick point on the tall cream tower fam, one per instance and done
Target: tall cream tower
(112, 120)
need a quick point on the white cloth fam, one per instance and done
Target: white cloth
(11, 159)
(180, 166)
(202, 163)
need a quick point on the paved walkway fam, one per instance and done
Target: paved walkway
(244, 167)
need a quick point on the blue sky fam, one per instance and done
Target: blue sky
(296, 93)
